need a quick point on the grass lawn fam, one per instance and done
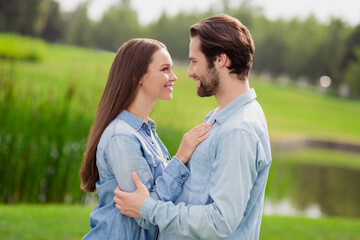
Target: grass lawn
(72, 222)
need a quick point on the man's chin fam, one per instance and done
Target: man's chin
(203, 94)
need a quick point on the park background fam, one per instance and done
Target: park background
(53, 68)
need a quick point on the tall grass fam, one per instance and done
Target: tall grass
(45, 119)
(41, 142)
(47, 107)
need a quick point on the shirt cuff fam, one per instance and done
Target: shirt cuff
(177, 170)
(146, 207)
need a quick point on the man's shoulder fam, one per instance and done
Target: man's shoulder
(249, 119)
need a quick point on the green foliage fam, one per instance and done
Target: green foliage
(17, 47)
(80, 28)
(19, 15)
(117, 26)
(177, 41)
(51, 24)
(352, 75)
(32, 18)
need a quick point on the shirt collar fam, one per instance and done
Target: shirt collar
(238, 102)
(134, 121)
(152, 124)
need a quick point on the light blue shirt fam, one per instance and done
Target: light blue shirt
(126, 146)
(223, 198)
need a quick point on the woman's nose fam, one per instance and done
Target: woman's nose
(173, 77)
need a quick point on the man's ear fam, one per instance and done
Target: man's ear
(221, 60)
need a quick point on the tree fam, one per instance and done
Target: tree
(352, 42)
(118, 24)
(19, 16)
(352, 74)
(53, 24)
(80, 27)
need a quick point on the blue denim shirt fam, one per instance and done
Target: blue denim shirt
(126, 146)
(223, 198)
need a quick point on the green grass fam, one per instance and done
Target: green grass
(68, 222)
(290, 228)
(44, 221)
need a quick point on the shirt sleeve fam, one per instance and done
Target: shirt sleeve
(233, 176)
(124, 155)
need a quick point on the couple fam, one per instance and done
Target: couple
(217, 194)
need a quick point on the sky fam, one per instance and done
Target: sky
(150, 10)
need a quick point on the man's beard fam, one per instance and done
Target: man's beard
(209, 83)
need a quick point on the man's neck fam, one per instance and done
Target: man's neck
(229, 90)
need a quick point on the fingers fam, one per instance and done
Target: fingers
(202, 138)
(118, 195)
(203, 126)
(199, 131)
(137, 180)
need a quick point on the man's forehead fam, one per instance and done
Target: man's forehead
(194, 46)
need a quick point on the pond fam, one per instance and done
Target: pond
(312, 190)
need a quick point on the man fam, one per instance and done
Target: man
(223, 197)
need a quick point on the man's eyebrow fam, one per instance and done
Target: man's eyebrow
(192, 58)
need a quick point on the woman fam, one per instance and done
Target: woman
(123, 140)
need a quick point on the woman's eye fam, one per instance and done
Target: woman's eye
(165, 69)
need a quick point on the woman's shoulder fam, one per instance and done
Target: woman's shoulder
(120, 130)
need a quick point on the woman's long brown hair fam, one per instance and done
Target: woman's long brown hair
(129, 66)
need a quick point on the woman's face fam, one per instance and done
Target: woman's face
(158, 82)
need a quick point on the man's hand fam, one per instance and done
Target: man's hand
(129, 203)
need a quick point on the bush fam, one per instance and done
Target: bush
(21, 48)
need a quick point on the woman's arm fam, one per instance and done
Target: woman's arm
(125, 155)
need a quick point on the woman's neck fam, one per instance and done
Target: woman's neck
(141, 108)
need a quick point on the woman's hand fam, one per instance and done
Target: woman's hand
(190, 141)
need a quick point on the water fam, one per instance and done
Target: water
(313, 191)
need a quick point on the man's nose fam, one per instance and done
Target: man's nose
(190, 72)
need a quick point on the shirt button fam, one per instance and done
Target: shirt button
(183, 176)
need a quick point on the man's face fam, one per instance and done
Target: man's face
(207, 79)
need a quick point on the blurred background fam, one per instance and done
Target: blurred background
(54, 61)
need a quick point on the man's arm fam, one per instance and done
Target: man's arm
(125, 156)
(234, 173)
